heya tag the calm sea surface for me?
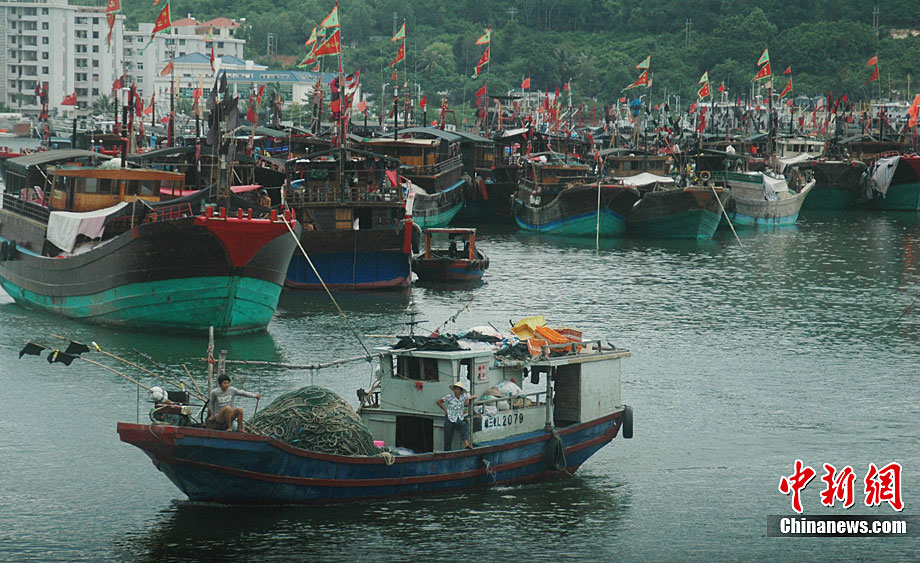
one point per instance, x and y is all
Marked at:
(801, 344)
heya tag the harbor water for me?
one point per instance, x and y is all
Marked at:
(801, 343)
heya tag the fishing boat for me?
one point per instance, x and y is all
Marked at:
(450, 255)
(98, 244)
(547, 412)
(563, 196)
(893, 182)
(839, 184)
(435, 170)
(666, 210)
(757, 199)
(353, 206)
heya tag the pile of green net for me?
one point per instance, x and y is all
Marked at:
(315, 419)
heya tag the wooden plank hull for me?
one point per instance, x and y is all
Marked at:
(838, 185)
(679, 213)
(173, 275)
(233, 467)
(574, 211)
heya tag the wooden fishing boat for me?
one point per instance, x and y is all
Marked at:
(354, 213)
(570, 408)
(760, 200)
(839, 184)
(559, 195)
(450, 255)
(98, 244)
(894, 183)
(435, 169)
(666, 210)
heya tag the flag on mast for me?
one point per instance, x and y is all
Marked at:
(401, 34)
(486, 37)
(704, 78)
(400, 54)
(313, 36)
(764, 72)
(163, 21)
(764, 57)
(483, 60)
(644, 65)
(332, 20)
(330, 46)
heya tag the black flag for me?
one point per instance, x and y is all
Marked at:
(31, 349)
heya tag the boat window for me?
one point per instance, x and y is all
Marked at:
(131, 188)
(418, 369)
(104, 186)
(148, 187)
(90, 186)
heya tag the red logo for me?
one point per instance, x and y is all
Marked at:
(796, 482)
(881, 485)
(884, 485)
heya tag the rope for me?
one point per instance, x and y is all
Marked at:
(329, 293)
(315, 419)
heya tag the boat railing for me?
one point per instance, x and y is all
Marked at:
(438, 167)
(329, 194)
(25, 208)
(514, 401)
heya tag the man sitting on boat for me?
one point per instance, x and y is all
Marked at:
(222, 409)
(453, 404)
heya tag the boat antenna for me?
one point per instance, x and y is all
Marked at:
(457, 313)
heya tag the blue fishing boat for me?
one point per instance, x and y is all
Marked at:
(444, 260)
(569, 408)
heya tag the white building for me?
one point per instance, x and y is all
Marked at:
(193, 70)
(49, 41)
(144, 60)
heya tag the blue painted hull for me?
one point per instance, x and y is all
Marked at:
(242, 468)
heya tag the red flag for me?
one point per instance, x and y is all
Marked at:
(394, 75)
(117, 84)
(149, 109)
(167, 69)
(259, 95)
(362, 106)
(163, 21)
(913, 110)
(525, 84)
(110, 19)
(400, 54)
(422, 102)
(566, 87)
(721, 88)
(138, 105)
(704, 91)
(70, 100)
(788, 70)
(212, 56)
(872, 61)
(787, 89)
(481, 91)
(330, 46)
(482, 61)
(251, 112)
(196, 95)
(873, 77)
(113, 6)
(622, 101)
(763, 73)
(641, 81)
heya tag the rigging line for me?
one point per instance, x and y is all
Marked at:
(329, 293)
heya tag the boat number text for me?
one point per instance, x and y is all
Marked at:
(502, 420)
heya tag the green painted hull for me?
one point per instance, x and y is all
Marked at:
(900, 197)
(611, 225)
(692, 224)
(441, 219)
(829, 199)
(238, 304)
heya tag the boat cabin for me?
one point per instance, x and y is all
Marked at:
(622, 163)
(88, 189)
(547, 170)
(459, 244)
(548, 391)
(794, 146)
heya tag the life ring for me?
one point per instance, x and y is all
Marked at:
(705, 175)
(628, 423)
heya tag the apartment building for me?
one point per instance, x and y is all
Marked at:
(50, 41)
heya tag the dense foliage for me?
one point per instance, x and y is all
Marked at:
(594, 43)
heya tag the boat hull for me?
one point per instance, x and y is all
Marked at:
(439, 208)
(489, 203)
(680, 213)
(241, 468)
(838, 185)
(350, 259)
(182, 275)
(574, 211)
(447, 270)
(748, 207)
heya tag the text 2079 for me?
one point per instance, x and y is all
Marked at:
(503, 420)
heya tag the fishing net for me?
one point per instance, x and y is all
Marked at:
(315, 419)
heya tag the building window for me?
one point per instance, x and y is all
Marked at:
(80, 21)
(95, 35)
(44, 11)
(95, 21)
(44, 70)
(80, 34)
(44, 56)
(44, 40)
(95, 48)
(182, 42)
(140, 66)
(44, 25)
(220, 44)
(95, 91)
(81, 92)
(95, 64)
